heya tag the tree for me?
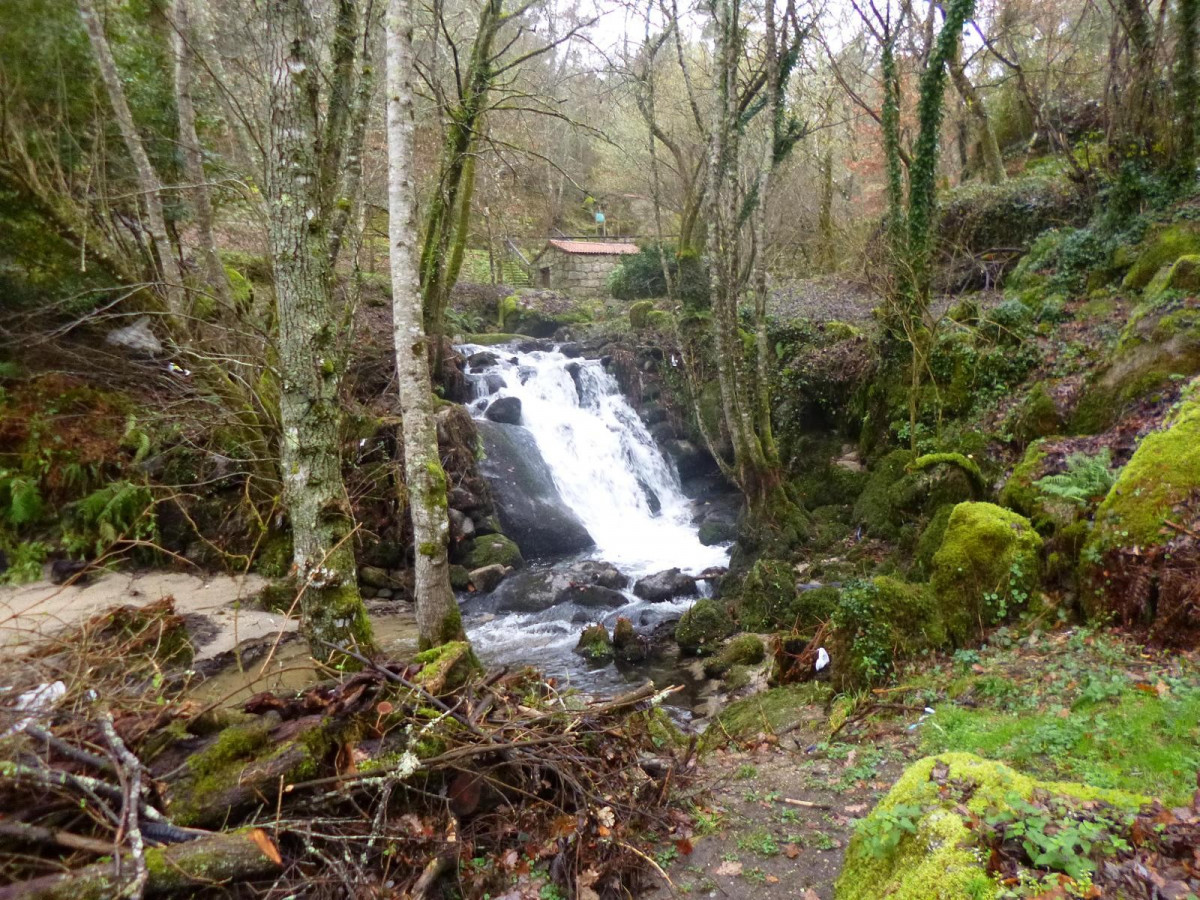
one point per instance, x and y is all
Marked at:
(302, 166)
(438, 619)
(1187, 87)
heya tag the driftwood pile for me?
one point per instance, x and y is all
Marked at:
(427, 779)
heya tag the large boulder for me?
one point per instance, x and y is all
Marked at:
(665, 585)
(985, 569)
(923, 841)
(530, 508)
(506, 410)
(703, 627)
(1141, 562)
(875, 623)
(588, 584)
(491, 549)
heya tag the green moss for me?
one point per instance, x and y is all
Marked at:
(595, 644)
(460, 578)
(876, 623)
(492, 549)
(986, 568)
(639, 314)
(930, 540)
(772, 710)
(274, 559)
(447, 667)
(1019, 492)
(1036, 417)
(703, 627)
(491, 340)
(876, 508)
(658, 319)
(744, 650)
(967, 466)
(940, 859)
(507, 310)
(1162, 248)
(765, 599)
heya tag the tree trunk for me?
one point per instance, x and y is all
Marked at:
(1187, 87)
(993, 162)
(311, 345)
(438, 618)
(193, 158)
(148, 182)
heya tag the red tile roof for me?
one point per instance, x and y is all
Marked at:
(595, 248)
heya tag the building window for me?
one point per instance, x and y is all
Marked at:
(544, 276)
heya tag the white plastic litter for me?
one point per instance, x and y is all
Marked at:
(822, 659)
(35, 701)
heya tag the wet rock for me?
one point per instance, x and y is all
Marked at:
(534, 345)
(689, 459)
(528, 504)
(573, 369)
(628, 645)
(487, 578)
(482, 359)
(591, 596)
(662, 432)
(712, 574)
(506, 410)
(460, 498)
(594, 571)
(665, 585)
(525, 373)
(375, 577)
(570, 350)
(461, 526)
(594, 643)
(493, 382)
(652, 414)
(495, 548)
(652, 501)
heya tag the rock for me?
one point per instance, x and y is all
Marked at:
(591, 596)
(717, 530)
(652, 501)
(703, 627)
(850, 460)
(594, 643)
(665, 585)
(506, 410)
(713, 574)
(986, 568)
(662, 432)
(375, 577)
(493, 383)
(532, 346)
(446, 668)
(627, 645)
(460, 498)
(136, 338)
(384, 594)
(460, 578)
(485, 524)
(743, 650)
(488, 578)
(461, 526)
(690, 460)
(592, 571)
(573, 369)
(570, 350)
(652, 414)
(482, 359)
(491, 549)
(525, 373)
(527, 501)
(942, 856)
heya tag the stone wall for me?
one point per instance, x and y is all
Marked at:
(580, 274)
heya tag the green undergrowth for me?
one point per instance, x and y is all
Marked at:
(1076, 706)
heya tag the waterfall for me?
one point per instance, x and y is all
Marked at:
(608, 470)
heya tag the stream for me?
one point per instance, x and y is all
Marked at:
(613, 478)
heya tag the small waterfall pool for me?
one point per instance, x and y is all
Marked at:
(610, 472)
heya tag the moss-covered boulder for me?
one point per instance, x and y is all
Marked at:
(1136, 564)
(1037, 416)
(489, 550)
(703, 627)
(920, 842)
(985, 569)
(876, 508)
(774, 710)
(595, 644)
(1019, 492)
(930, 541)
(1162, 247)
(878, 621)
(743, 650)
(764, 602)
(639, 314)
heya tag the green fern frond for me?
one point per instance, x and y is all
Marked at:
(20, 499)
(1087, 479)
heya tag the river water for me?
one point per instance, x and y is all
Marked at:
(607, 468)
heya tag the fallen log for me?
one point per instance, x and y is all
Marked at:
(180, 867)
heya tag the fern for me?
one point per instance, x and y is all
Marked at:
(136, 439)
(20, 499)
(25, 562)
(121, 510)
(1087, 479)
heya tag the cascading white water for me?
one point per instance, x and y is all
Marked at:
(607, 467)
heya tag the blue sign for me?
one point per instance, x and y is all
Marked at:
(599, 218)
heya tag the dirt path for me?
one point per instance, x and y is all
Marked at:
(777, 819)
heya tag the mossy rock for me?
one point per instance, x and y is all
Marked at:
(743, 650)
(491, 340)
(875, 622)
(876, 508)
(1162, 248)
(274, 559)
(940, 857)
(717, 531)
(764, 602)
(986, 568)
(658, 319)
(1036, 417)
(1162, 474)
(703, 627)
(492, 549)
(930, 541)
(1019, 492)
(460, 578)
(595, 644)
(639, 314)
(447, 667)
(773, 710)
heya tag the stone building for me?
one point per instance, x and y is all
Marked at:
(579, 267)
